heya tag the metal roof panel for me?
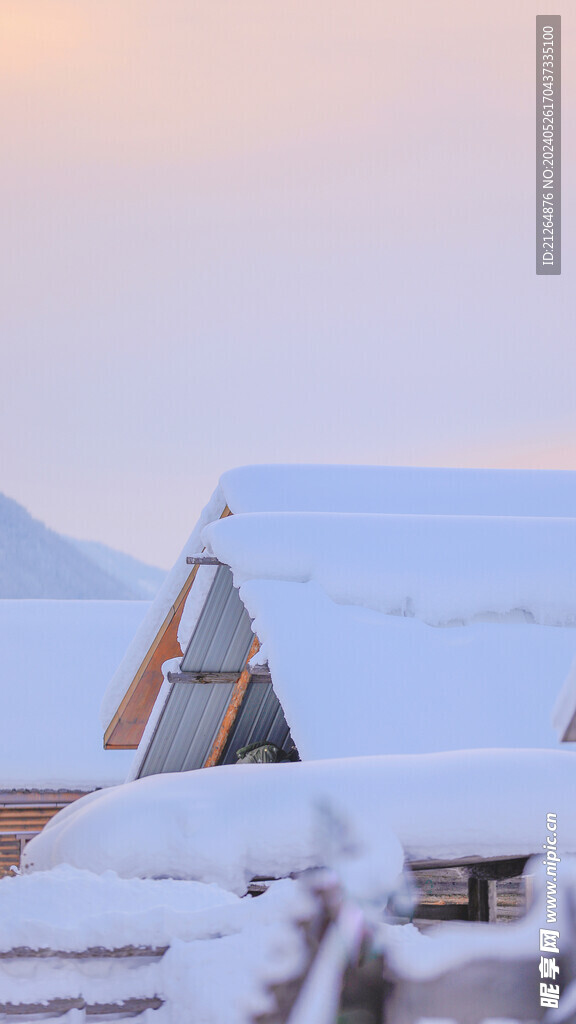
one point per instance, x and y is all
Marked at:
(187, 728)
(222, 636)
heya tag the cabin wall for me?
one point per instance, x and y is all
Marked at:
(23, 814)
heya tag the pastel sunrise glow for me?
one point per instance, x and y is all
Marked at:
(242, 232)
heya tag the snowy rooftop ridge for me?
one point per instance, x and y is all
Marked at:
(441, 569)
(400, 490)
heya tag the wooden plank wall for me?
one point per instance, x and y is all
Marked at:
(24, 813)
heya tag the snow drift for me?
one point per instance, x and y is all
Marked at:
(229, 824)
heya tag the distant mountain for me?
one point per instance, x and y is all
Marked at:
(36, 562)
(144, 580)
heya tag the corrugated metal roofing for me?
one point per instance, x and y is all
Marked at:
(187, 728)
(193, 715)
(194, 711)
(223, 634)
(260, 718)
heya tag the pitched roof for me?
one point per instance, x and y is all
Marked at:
(420, 552)
(135, 685)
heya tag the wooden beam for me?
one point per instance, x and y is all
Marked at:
(39, 797)
(514, 865)
(128, 1007)
(92, 952)
(441, 912)
(126, 728)
(232, 711)
(52, 1006)
(498, 870)
(258, 674)
(202, 677)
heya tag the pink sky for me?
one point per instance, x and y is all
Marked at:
(240, 231)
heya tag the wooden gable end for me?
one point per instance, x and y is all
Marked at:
(127, 726)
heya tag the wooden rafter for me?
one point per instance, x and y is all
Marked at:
(237, 696)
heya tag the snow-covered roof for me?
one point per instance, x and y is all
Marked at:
(345, 608)
(347, 570)
(354, 681)
(212, 935)
(228, 824)
(441, 569)
(56, 657)
(400, 489)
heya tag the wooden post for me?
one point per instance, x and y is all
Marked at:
(481, 898)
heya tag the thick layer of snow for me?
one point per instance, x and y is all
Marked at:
(107, 980)
(353, 681)
(228, 979)
(351, 489)
(400, 490)
(441, 569)
(55, 660)
(160, 608)
(212, 934)
(71, 909)
(228, 824)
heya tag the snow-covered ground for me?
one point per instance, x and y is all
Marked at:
(400, 611)
(55, 660)
(223, 952)
(221, 825)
